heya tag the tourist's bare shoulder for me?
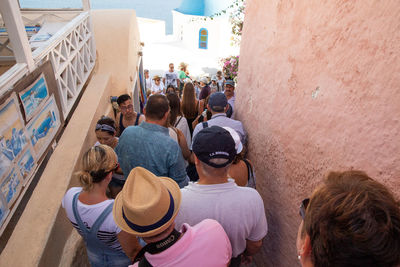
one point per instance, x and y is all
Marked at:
(117, 118)
(238, 172)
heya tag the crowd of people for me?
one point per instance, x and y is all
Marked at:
(173, 187)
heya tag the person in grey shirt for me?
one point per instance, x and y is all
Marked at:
(218, 105)
(240, 210)
(230, 92)
(149, 145)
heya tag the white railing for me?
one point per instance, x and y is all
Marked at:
(72, 54)
(71, 51)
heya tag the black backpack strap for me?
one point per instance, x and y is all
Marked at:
(205, 124)
(249, 169)
(176, 124)
(144, 263)
(140, 255)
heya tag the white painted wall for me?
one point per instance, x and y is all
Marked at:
(187, 27)
(151, 30)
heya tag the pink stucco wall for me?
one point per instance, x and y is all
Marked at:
(319, 90)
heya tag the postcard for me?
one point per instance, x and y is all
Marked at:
(11, 187)
(3, 209)
(26, 165)
(43, 127)
(34, 96)
(12, 134)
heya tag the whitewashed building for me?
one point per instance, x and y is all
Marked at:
(192, 26)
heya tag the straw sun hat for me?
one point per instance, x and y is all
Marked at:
(183, 65)
(147, 204)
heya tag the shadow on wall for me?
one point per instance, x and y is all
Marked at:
(80, 257)
(272, 244)
(283, 181)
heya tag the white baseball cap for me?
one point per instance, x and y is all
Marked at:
(236, 138)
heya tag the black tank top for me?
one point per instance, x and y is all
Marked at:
(121, 125)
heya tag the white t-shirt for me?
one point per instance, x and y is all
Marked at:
(171, 78)
(221, 84)
(89, 213)
(184, 127)
(157, 89)
(148, 83)
(174, 136)
(240, 211)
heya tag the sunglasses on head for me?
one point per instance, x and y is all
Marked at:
(115, 168)
(303, 207)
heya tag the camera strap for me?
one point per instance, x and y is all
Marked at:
(159, 246)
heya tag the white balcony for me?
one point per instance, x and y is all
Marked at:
(29, 38)
(71, 50)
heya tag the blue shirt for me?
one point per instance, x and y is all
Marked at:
(149, 146)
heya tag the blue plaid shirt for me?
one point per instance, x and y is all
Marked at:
(150, 146)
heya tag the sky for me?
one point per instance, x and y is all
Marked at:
(155, 9)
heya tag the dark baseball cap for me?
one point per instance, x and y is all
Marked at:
(214, 143)
(217, 102)
(230, 82)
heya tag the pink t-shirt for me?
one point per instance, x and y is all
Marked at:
(205, 244)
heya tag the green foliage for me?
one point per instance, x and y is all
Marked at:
(236, 18)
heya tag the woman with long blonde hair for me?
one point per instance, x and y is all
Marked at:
(90, 211)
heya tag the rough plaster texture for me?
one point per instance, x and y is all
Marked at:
(43, 229)
(318, 90)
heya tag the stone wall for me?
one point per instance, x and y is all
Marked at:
(318, 91)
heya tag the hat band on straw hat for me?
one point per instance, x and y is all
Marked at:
(161, 222)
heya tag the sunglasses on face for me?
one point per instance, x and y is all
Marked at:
(303, 207)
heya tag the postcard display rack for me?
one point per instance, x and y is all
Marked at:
(30, 119)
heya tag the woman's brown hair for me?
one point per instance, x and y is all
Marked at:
(189, 107)
(353, 220)
(175, 108)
